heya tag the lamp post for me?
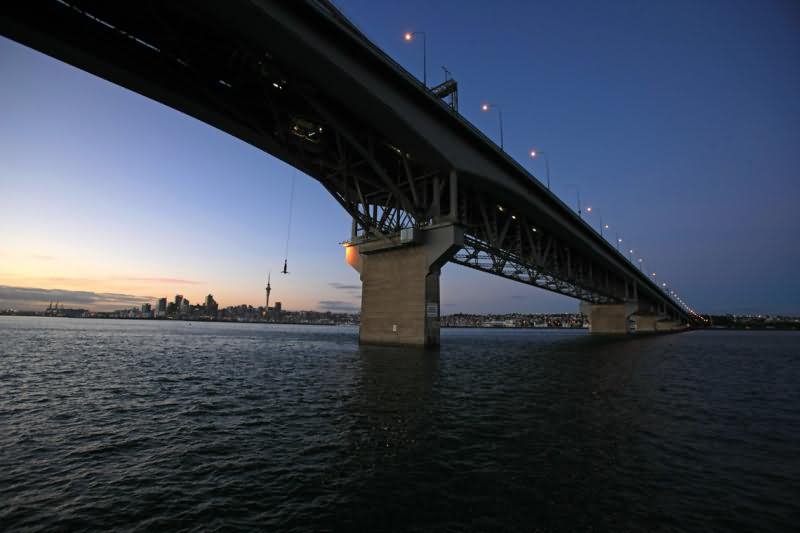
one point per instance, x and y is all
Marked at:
(590, 209)
(619, 240)
(630, 255)
(409, 36)
(489, 106)
(534, 154)
(640, 263)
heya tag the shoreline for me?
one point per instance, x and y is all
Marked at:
(549, 328)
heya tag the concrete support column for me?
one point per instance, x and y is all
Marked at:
(646, 323)
(669, 325)
(400, 284)
(608, 319)
(453, 215)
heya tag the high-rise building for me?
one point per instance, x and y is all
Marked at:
(277, 308)
(178, 301)
(161, 308)
(211, 306)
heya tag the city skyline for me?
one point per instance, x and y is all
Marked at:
(33, 299)
(690, 163)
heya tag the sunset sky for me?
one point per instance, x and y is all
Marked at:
(680, 122)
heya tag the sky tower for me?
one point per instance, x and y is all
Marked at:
(269, 289)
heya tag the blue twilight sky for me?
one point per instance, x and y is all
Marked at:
(680, 122)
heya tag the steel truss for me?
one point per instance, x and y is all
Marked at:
(218, 75)
(513, 246)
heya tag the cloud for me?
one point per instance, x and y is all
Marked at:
(175, 281)
(32, 298)
(169, 281)
(344, 286)
(43, 257)
(338, 306)
(55, 279)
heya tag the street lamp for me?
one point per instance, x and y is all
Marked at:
(534, 155)
(619, 241)
(590, 209)
(640, 263)
(409, 36)
(630, 255)
(489, 106)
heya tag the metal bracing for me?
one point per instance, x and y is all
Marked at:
(379, 184)
(514, 247)
(185, 58)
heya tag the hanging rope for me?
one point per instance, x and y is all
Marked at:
(289, 228)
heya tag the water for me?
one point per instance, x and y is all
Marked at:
(142, 425)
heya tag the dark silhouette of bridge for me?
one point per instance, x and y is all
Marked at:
(423, 186)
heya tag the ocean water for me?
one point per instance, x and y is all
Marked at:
(143, 425)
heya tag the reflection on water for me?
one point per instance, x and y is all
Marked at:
(116, 424)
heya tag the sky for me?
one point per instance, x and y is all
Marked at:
(678, 121)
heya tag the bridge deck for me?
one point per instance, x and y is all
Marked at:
(299, 81)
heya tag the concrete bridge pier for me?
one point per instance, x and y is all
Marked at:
(645, 323)
(670, 325)
(656, 324)
(609, 319)
(400, 284)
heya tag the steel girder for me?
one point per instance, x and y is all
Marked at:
(514, 246)
(163, 49)
(174, 54)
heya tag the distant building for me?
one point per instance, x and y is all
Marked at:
(178, 302)
(277, 308)
(184, 308)
(161, 309)
(269, 289)
(211, 306)
(62, 311)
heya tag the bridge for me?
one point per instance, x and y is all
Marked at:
(422, 185)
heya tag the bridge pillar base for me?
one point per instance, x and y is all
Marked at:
(646, 323)
(400, 285)
(608, 319)
(670, 325)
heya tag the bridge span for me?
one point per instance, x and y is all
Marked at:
(422, 185)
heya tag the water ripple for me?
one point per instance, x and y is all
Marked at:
(152, 425)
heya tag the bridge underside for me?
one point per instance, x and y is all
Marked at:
(297, 81)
